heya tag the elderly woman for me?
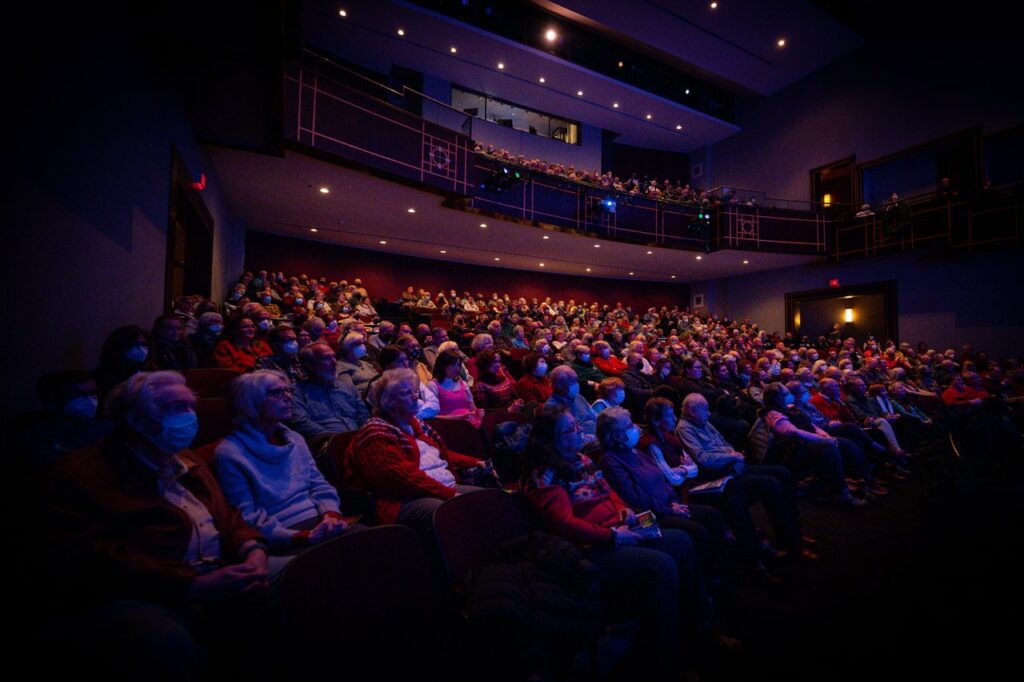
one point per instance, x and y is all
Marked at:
(611, 392)
(266, 470)
(657, 580)
(447, 391)
(352, 361)
(494, 388)
(636, 476)
(206, 336)
(240, 348)
(534, 385)
(799, 446)
(402, 460)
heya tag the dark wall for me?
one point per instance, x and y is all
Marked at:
(387, 275)
(625, 159)
(817, 317)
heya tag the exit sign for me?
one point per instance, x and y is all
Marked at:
(833, 283)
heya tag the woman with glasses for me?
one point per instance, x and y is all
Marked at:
(267, 471)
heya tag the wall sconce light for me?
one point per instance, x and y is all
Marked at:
(827, 200)
(849, 315)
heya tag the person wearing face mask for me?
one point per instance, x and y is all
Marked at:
(352, 362)
(207, 336)
(285, 358)
(125, 353)
(384, 336)
(640, 386)
(611, 392)
(588, 373)
(565, 391)
(144, 542)
(638, 480)
(494, 388)
(413, 351)
(534, 386)
(69, 423)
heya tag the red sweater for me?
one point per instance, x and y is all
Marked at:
(530, 388)
(229, 356)
(612, 367)
(834, 411)
(385, 460)
(581, 511)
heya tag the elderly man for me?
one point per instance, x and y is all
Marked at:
(438, 335)
(170, 348)
(284, 343)
(141, 534)
(326, 403)
(384, 336)
(565, 391)
(773, 485)
(352, 361)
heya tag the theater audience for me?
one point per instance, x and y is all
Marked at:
(352, 353)
(534, 386)
(448, 394)
(610, 393)
(565, 391)
(494, 388)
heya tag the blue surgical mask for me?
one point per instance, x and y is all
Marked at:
(137, 354)
(574, 390)
(299, 301)
(267, 300)
(264, 325)
(359, 351)
(216, 328)
(177, 432)
(82, 407)
(540, 370)
(633, 436)
(585, 358)
(618, 396)
(290, 347)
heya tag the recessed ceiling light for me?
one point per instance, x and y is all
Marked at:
(443, 251)
(551, 35)
(597, 246)
(700, 257)
(383, 241)
(687, 91)
(483, 225)
(648, 117)
(453, 49)
(631, 274)
(678, 127)
(621, 64)
(579, 93)
(313, 229)
(588, 269)
(615, 105)
(342, 13)
(545, 237)
(714, 5)
(541, 79)
(401, 32)
(325, 190)
(501, 65)
(411, 210)
(649, 253)
(542, 265)
(496, 258)
(673, 276)
(746, 262)
(782, 42)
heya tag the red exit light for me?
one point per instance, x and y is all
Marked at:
(833, 283)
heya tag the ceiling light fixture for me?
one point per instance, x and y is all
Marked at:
(496, 258)
(588, 269)
(383, 241)
(342, 13)
(687, 91)
(501, 65)
(579, 93)
(649, 253)
(648, 117)
(483, 225)
(325, 190)
(551, 35)
(700, 257)
(746, 262)
(545, 237)
(615, 105)
(313, 229)
(443, 251)
(401, 32)
(782, 42)
(542, 265)
(597, 246)
(714, 5)
(411, 210)
(673, 276)
(621, 64)
(453, 49)
(631, 274)
(679, 127)
(541, 79)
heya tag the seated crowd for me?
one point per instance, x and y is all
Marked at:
(689, 417)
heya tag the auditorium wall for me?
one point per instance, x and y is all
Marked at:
(925, 76)
(946, 301)
(91, 182)
(388, 275)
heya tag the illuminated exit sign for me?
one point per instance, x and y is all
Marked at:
(833, 283)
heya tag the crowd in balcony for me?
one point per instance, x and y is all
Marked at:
(690, 416)
(633, 186)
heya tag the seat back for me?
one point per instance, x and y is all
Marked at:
(209, 382)
(365, 598)
(470, 527)
(332, 462)
(459, 435)
(214, 420)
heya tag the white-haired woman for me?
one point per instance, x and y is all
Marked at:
(267, 471)
(352, 361)
(402, 460)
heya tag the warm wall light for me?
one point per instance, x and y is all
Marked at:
(501, 65)
(827, 200)
(551, 35)
(849, 315)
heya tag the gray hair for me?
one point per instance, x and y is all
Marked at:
(479, 341)
(132, 394)
(312, 323)
(691, 401)
(611, 426)
(384, 388)
(206, 319)
(247, 393)
(562, 375)
(351, 340)
(306, 355)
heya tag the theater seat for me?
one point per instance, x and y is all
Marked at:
(470, 527)
(459, 435)
(214, 420)
(209, 382)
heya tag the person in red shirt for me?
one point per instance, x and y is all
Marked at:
(534, 386)
(240, 348)
(605, 361)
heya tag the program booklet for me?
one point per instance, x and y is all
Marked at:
(646, 525)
